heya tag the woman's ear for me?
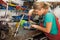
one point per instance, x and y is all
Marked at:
(43, 10)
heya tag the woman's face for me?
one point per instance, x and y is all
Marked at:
(40, 11)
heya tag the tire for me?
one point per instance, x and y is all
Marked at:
(3, 35)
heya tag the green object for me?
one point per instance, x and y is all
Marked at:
(22, 22)
(49, 17)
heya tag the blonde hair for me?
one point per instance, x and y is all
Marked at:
(38, 5)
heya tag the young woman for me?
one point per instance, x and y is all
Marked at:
(49, 24)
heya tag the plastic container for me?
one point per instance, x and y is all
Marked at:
(27, 25)
(22, 22)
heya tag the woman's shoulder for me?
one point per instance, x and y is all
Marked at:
(30, 11)
(49, 14)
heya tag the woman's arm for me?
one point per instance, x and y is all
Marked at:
(30, 13)
(47, 29)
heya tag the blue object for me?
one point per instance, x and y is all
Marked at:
(24, 6)
(26, 24)
(2, 7)
(26, 11)
(26, 17)
(17, 18)
(10, 8)
(0, 4)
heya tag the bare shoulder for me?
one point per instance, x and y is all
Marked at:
(30, 12)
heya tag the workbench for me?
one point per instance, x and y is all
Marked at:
(24, 34)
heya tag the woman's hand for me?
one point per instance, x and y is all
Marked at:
(35, 26)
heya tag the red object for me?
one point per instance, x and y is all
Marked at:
(18, 7)
(55, 37)
(2, 2)
(23, 8)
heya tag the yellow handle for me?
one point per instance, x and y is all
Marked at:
(17, 24)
